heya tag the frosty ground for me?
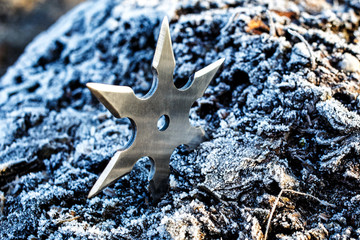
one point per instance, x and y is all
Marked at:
(282, 116)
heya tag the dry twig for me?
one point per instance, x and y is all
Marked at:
(231, 19)
(325, 203)
(2, 202)
(67, 220)
(272, 31)
(302, 39)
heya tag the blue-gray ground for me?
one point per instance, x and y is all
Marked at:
(283, 113)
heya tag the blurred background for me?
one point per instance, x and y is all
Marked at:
(22, 20)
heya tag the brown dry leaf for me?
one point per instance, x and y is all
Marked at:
(257, 26)
(282, 201)
(291, 15)
(27, 5)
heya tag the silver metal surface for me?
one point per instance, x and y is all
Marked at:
(161, 118)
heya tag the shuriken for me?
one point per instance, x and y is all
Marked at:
(163, 100)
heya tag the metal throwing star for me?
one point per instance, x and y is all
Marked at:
(164, 104)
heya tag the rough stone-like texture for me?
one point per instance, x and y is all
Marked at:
(282, 114)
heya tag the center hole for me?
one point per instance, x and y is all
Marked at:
(163, 122)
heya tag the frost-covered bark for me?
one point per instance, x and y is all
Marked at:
(275, 120)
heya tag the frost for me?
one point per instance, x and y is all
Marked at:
(338, 116)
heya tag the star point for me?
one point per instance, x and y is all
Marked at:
(109, 95)
(164, 60)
